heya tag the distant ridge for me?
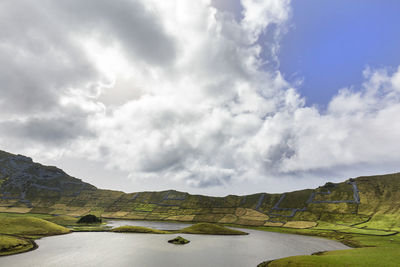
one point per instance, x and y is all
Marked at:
(26, 186)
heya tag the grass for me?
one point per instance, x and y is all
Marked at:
(300, 224)
(372, 247)
(384, 252)
(352, 229)
(138, 229)
(63, 220)
(210, 229)
(383, 221)
(12, 245)
(91, 228)
(28, 226)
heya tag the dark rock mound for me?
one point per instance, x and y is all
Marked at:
(178, 241)
(89, 219)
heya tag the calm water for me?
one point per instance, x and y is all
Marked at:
(154, 225)
(147, 250)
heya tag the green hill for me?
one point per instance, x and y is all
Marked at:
(210, 229)
(29, 226)
(364, 202)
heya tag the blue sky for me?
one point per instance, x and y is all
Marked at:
(330, 43)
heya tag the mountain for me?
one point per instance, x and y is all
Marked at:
(26, 186)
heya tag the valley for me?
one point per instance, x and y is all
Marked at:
(360, 212)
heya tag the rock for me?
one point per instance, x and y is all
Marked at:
(89, 219)
(178, 241)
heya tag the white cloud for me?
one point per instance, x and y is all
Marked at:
(175, 92)
(359, 127)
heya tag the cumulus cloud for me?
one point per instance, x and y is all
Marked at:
(359, 127)
(177, 92)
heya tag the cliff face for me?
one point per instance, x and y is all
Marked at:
(26, 186)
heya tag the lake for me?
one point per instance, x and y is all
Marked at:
(147, 250)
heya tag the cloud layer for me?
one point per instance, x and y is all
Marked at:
(179, 92)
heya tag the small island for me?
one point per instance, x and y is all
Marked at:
(179, 241)
(138, 229)
(210, 229)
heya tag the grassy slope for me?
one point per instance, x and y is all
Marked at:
(15, 233)
(62, 220)
(375, 251)
(369, 249)
(30, 226)
(13, 244)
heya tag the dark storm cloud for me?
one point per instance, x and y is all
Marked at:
(54, 131)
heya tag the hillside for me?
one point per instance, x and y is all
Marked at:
(374, 201)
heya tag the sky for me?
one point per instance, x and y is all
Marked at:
(213, 97)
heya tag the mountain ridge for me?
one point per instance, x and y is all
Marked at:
(26, 186)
